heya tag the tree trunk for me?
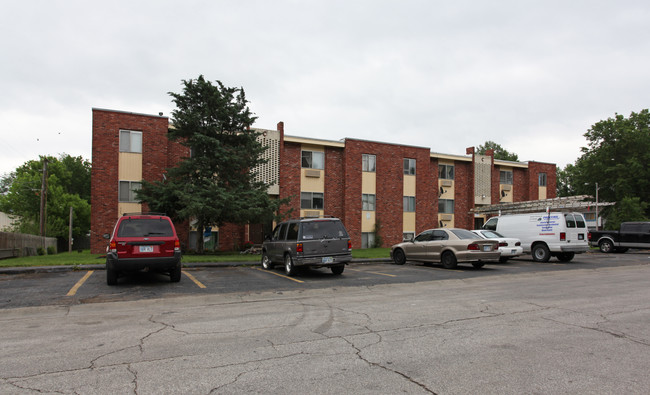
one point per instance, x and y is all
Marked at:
(199, 241)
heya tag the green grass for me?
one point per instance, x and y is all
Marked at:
(86, 258)
(64, 258)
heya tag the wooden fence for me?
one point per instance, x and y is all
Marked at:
(20, 244)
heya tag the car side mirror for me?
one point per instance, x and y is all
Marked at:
(107, 236)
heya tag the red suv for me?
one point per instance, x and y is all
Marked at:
(143, 242)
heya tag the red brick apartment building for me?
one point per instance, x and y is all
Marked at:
(395, 190)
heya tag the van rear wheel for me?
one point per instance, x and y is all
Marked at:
(541, 253)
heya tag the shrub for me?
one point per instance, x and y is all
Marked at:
(51, 250)
(40, 251)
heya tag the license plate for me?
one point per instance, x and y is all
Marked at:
(327, 259)
(487, 247)
(146, 248)
(513, 251)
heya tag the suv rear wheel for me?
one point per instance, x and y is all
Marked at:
(175, 274)
(266, 261)
(111, 276)
(338, 269)
(289, 268)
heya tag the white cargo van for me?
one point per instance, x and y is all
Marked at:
(545, 234)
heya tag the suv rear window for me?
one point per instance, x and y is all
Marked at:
(145, 228)
(323, 230)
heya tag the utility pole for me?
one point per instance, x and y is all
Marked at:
(70, 232)
(43, 198)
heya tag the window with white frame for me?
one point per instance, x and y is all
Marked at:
(409, 166)
(313, 160)
(542, 179)
(368, 162)
(505, 177)
(409, 204)
(446, 172)
(126, 190)
(130, 141)
(311, 200)
(445, 206)
(367, 240)
(368, 202)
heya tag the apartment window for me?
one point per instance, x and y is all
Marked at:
(446, 172)
(409, 204)
(505, 177)
(445, 206)
(313, 160)
(311, 200)
(368, 162)
(409, 166)
(130, 141)
(367, 240)
(368, 202)
(542, 179)
(127, 190)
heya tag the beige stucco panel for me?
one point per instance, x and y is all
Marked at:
(128, 208)
(369, 183)
(130, 166)
(367, 221)
(408, 222)
(409, 185)
(542, 193)
(312, 184)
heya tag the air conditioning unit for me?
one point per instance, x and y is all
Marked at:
(312, 173)
(311, 214)
(506, 187)
(446, 217)
(446, 183)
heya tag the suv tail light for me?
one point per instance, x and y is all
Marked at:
(589, 236)
(113, 246)
(299, 247)
(350, 245)
(177, 245)
(562, 236)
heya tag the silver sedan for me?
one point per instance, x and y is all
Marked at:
(448, 246)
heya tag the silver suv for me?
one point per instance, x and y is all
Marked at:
(313, 242)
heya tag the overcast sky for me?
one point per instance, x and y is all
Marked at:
(533, 76)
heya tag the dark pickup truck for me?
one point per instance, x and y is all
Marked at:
(631, 235)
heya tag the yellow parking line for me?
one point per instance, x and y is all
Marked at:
(79, 283)
(191, 277)
(278, 274)
(381, 274)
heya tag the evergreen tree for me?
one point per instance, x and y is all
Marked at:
(216, 184)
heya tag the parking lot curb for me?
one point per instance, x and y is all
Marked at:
(68, 268)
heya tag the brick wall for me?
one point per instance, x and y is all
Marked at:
(105, 159)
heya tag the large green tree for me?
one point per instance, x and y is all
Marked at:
(499, 151)
(615, 161)
(216, 184)
(68, 185)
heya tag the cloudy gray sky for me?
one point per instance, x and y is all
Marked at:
(532, 76)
